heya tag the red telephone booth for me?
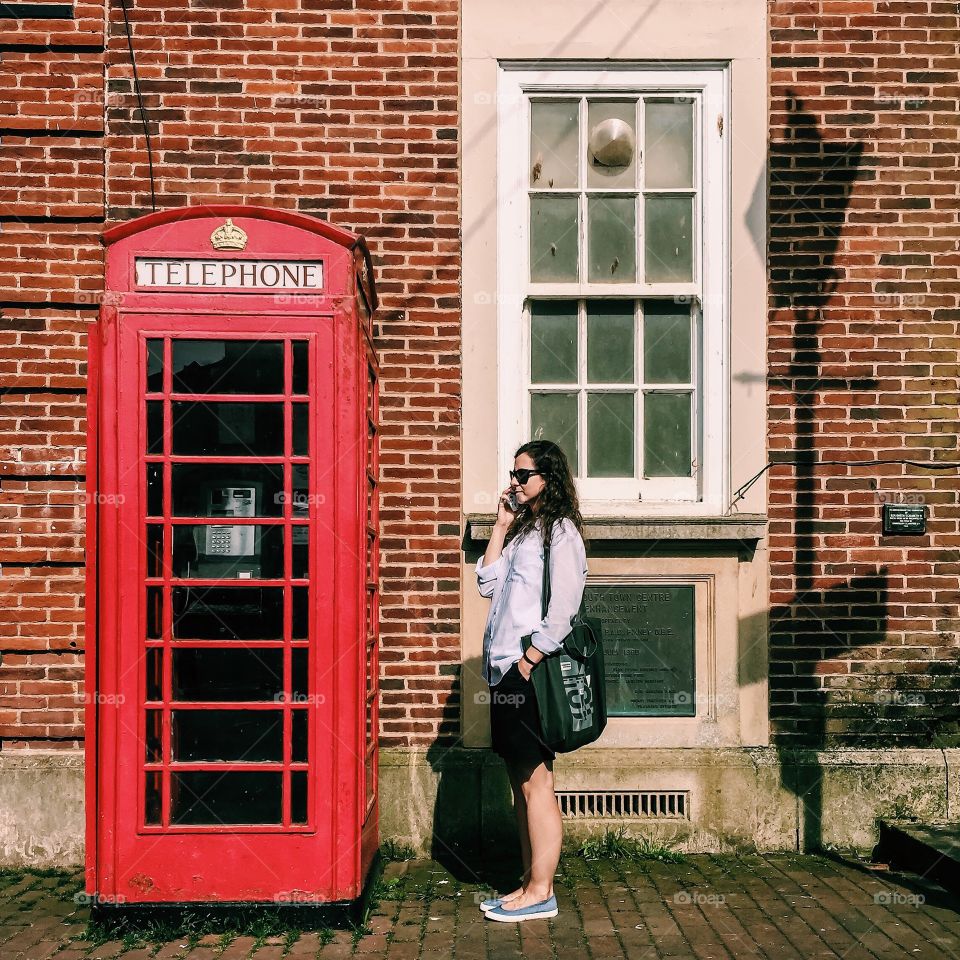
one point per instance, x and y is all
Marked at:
(232, 539)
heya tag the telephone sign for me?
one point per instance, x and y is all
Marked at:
(232, 586)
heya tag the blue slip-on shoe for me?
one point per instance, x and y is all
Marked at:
(490, 904)
(536, 911)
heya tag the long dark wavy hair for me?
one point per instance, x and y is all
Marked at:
(557, 500)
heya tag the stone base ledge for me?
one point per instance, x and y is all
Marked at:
(447, 801)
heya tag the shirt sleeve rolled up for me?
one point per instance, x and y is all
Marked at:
(487, 576)
(568, 577)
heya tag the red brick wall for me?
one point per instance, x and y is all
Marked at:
(345, 110)
(863, 352)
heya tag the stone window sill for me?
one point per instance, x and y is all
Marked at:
(740, 528)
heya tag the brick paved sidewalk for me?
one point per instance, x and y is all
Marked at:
(777, 906)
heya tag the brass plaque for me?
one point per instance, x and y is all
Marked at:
(648, 648)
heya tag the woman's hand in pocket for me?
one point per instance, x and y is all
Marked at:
(524, 668)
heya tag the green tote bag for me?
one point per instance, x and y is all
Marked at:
(569, 683)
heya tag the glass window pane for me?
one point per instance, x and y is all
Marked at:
(553, 143)
(153, 799)
(666, 342)
(666, 435)
(254, 736)
(154, 613)
(300, 613)
(611, 143)
(219, 797)
(668, 144)
(228, 366)
(610, 433)
(228, 551)
(154, 489)
(154, 550)
(301, 552)
(299, 730)
(154, 673)
(301, 490)
(553, 416)
(299, 678)
(612, 239)
(301, 374)
(301, 433)
(155, 366)
(553, 238)
(154, 426)
(154, 736)
(610, 341)
(553, 341)
(668, 239)
(228, 613)
(227, 490)
(217, 673)
(227, 429)
(298, 796)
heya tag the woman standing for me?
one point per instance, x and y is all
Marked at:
(511, 573)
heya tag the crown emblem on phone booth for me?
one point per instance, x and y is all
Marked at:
(228, 237)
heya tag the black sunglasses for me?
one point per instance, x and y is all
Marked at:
(523, 475)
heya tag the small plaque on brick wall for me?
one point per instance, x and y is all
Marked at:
(648, 648)
(904, 519)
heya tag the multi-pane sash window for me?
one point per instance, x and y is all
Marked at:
(614, 196)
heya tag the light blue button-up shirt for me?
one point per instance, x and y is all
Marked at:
(514, 581)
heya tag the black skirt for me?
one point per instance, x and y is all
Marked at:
(515, 729)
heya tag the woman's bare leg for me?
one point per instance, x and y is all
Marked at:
(520, 806)
(545, 829)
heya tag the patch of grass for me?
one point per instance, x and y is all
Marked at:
(391, 850)
(615, 845)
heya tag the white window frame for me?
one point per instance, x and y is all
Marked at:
(704, 493)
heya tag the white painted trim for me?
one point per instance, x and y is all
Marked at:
(708, 493)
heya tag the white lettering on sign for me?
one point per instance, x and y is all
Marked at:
(229, 274)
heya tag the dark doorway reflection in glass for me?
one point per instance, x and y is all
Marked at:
(228, 613)
(219, 797)
(227, 366)
(227, 490)
(227, 429)
(251, 736)
(228, 551)
(218, 674)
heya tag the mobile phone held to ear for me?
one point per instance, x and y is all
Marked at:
(512, 501)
